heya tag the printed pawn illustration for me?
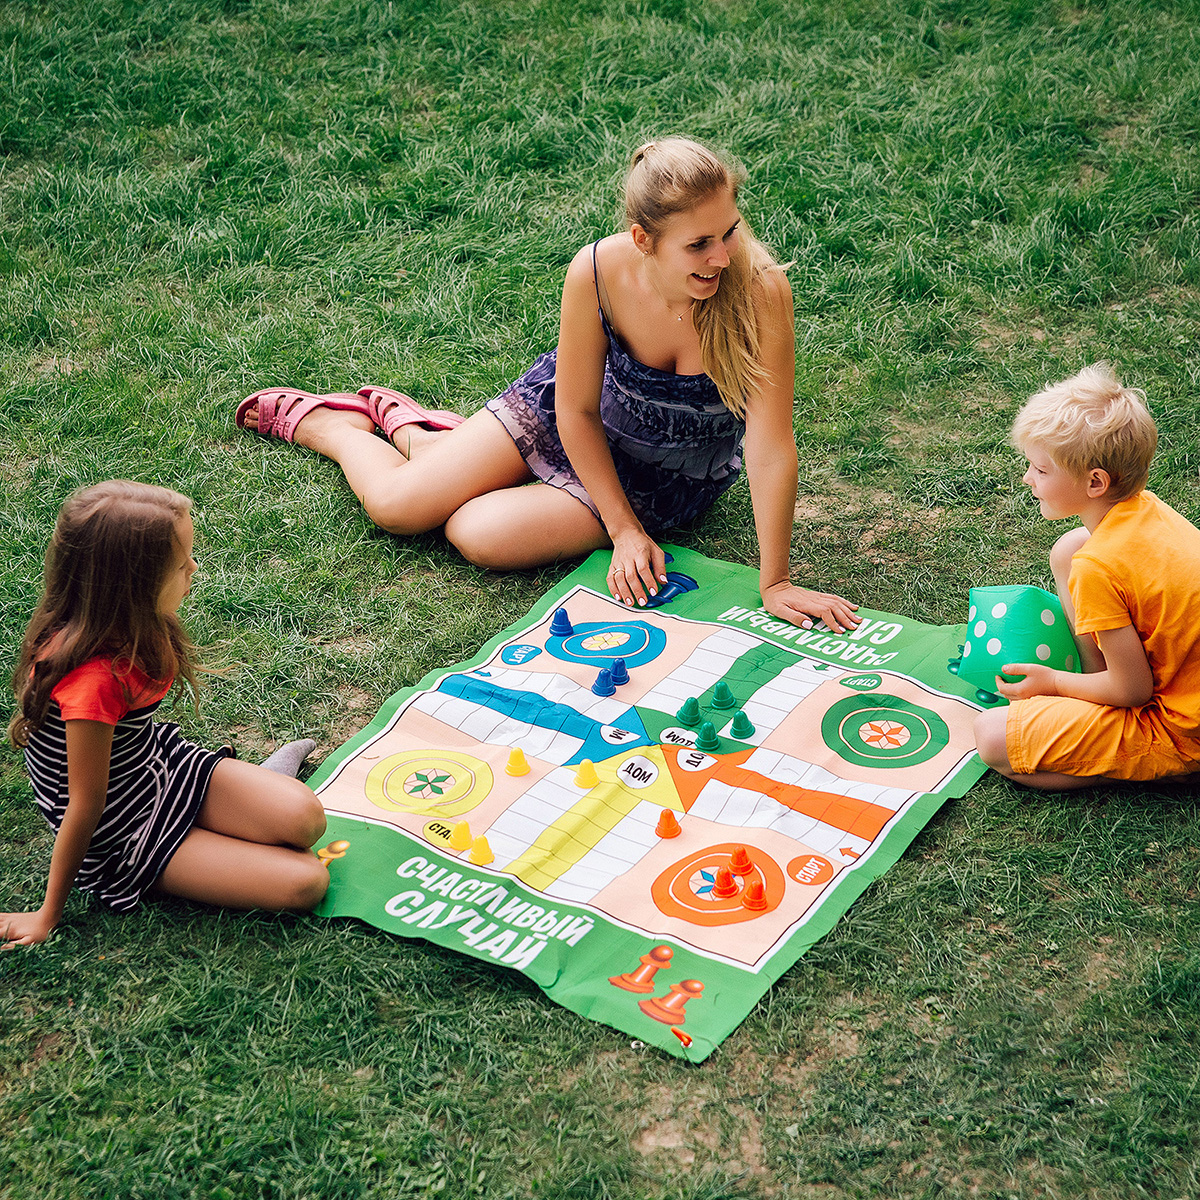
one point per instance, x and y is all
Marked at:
(669, 1008)
(517, 764)
(585, 776)
(668, 824)
(722, 697)
(460, 836)
(689, 713)
(560, 625)
(706, 738)
(334, 850)
(604, 683)
(741, 727)
(620, 672)
(685, 1039)
(642, 980)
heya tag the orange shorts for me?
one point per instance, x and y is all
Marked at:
(1075, 737)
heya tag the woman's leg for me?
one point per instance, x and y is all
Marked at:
(520, 527)
(447, 469)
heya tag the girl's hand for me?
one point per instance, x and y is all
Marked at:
(803, 607)
(1038, 681)
(24, 929)
(638, 568)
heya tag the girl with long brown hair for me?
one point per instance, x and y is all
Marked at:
(675, 356)
(136, 808)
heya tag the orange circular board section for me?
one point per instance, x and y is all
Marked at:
(684, 889)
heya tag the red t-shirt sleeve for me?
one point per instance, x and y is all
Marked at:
(93, 693)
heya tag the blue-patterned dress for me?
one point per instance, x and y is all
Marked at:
(675, 445)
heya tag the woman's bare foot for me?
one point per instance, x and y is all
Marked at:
(320, 427)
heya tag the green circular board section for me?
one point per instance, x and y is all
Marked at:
(878, 730)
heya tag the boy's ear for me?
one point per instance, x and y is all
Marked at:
(1098, 481)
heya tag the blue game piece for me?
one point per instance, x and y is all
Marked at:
(561, 625)
(676, 585)
(604, 683)
(620, 672)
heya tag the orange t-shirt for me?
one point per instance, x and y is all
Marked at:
(95, 692)
(1141, 567)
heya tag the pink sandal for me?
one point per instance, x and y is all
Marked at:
(392, 410)
(280, 410)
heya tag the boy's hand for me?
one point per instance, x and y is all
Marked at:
(1039, 681)
(24, 929)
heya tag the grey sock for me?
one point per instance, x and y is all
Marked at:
(287, 759)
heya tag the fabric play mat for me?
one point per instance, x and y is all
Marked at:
(653, 853)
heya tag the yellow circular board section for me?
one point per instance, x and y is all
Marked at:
(442, 783)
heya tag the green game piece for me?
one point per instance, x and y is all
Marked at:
(1017, 624)
(689, 714)
(742, 728)
(706, 738)
(722, 697)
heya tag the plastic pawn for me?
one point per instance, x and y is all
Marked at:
(706, 738)
(722, 697)
(754, 896)
(586, 776)
(604, 683)
(517, 764)
(739, 861)
(620, 672)
(668, 824)
(724, 887)
(481, 853)
(741, 727)
(561, 625)
(460, 836)
(689, 714)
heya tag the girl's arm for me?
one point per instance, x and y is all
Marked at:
(89, 752)
(638, 563)
(771, 467)
(1126, 680)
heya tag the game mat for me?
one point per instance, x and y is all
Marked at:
(662, 848)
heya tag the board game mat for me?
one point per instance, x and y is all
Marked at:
(652, 843)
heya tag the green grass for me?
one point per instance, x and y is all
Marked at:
(198, 199)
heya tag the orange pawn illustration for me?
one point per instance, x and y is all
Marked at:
(642, 980)
(669, 1008)
(517, 764)
(481, 853)
(739, 861)
(754, 896)
(724, 886)
(334, 850)
(668, 824)
(460, 836)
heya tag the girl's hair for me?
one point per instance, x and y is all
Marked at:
(671, 176)
(112, 549)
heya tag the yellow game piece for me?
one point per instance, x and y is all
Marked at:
(460, 836)
(586, 776)
(481, 853)
(516, 762)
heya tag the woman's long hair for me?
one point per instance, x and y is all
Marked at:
(113, 547)
(671, 176)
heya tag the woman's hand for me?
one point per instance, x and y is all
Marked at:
(24, 928)
(803, 607)
(638, 568)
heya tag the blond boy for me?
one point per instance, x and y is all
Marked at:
(1129, 580)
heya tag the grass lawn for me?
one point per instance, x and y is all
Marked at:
(200, 198)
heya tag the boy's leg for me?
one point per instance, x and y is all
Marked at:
(1061, 554)
(991, 740)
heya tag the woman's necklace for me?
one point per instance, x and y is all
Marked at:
(666, 304)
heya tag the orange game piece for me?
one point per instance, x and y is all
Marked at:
(642, 980)
(739, 861)
(754, 896)
(724, 886)
(685, 1038)
(668, 824)
(516, 762)
(669, 1008)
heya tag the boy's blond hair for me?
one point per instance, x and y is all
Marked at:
(1088, 421)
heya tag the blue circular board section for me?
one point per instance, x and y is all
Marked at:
(597, 643)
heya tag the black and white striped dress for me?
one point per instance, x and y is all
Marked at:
(157, 783)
